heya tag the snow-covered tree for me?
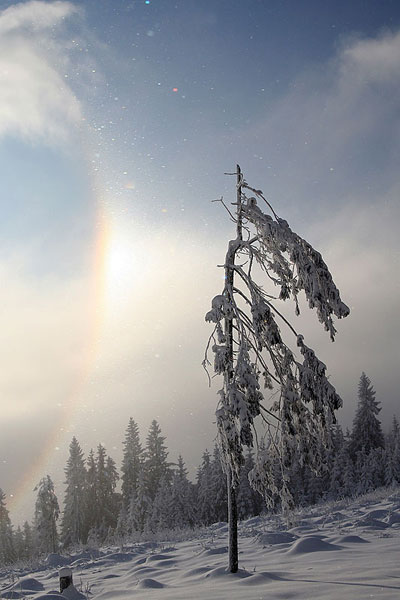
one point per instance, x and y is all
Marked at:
(46, 515)
(156, 466)
(92, 514)
(107, 500)
(29, 547)
(132, 462)
(366, 433)
(182, 512)
(251, 351)
(7, 551)
(392, 466)
(205, 491)
(73, 523)
(139, 507)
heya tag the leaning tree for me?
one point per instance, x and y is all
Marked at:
(251, 347)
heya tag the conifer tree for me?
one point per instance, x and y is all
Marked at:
(182, 511)
(132, 462)
(249, 349)
(19, 544)
(160, 516)
(392, 466)
(156, 466)
(7, 551)
(139, 507)
(28, 541)
(106, 478)
(366, 433)
(219, 494)
(73, 524)
(205, 491)
(46, 515)
(92, 516)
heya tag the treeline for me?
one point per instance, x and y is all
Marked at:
(155, 494)
(355, 462)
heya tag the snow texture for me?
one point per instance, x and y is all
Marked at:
(343, 550)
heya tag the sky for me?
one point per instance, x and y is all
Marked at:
(118, 121)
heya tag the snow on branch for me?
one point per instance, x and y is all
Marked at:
(251, 353)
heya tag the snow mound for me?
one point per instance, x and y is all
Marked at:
(120, 556)
(271, 538)
(312, 544)
(260, 578)
(146, 584)
(12, 594)
(49, 596)
(213, 551)
(29, 584)
(378, 513)
(72, 593)
(220, 527)
(195, 572)
(351, 539)
(56, 560)
(335, 516)
(154, 557)
(223, 572)
(392, 518)
(368, 521)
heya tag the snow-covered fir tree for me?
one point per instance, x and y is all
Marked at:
(106, 498)
(46, 515)
(366, 433)
(156, 466)
(392, 466)
(205, 491)
(219, 492)
(19, 544)
(182, 512)
(29, 546)
(132, 462)
(7, 551)
(92, 516)
(73, 523)
(139, 507)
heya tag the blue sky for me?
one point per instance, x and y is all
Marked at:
(136, 110)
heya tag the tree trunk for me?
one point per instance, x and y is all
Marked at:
(233, 554)
(233, 560)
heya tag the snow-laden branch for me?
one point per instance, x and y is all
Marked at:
(249, 345)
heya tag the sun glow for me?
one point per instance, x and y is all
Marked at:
(123, 268)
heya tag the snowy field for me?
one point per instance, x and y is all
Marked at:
(346, 550)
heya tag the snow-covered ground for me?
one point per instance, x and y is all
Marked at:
(346, 550)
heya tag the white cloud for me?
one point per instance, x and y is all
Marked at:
(35, 101)
(35, 15)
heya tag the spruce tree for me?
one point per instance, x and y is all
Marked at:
(19, 544)
(219, 494)
(92, 514)
(182, 513)
(205, 491)
(139, 507)
(46, 514)
(392, 467)
(7, 551)
(73, 524)
(132, 462)
(106, 478)
(29, 547)
(156, 466)
(366, 433)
